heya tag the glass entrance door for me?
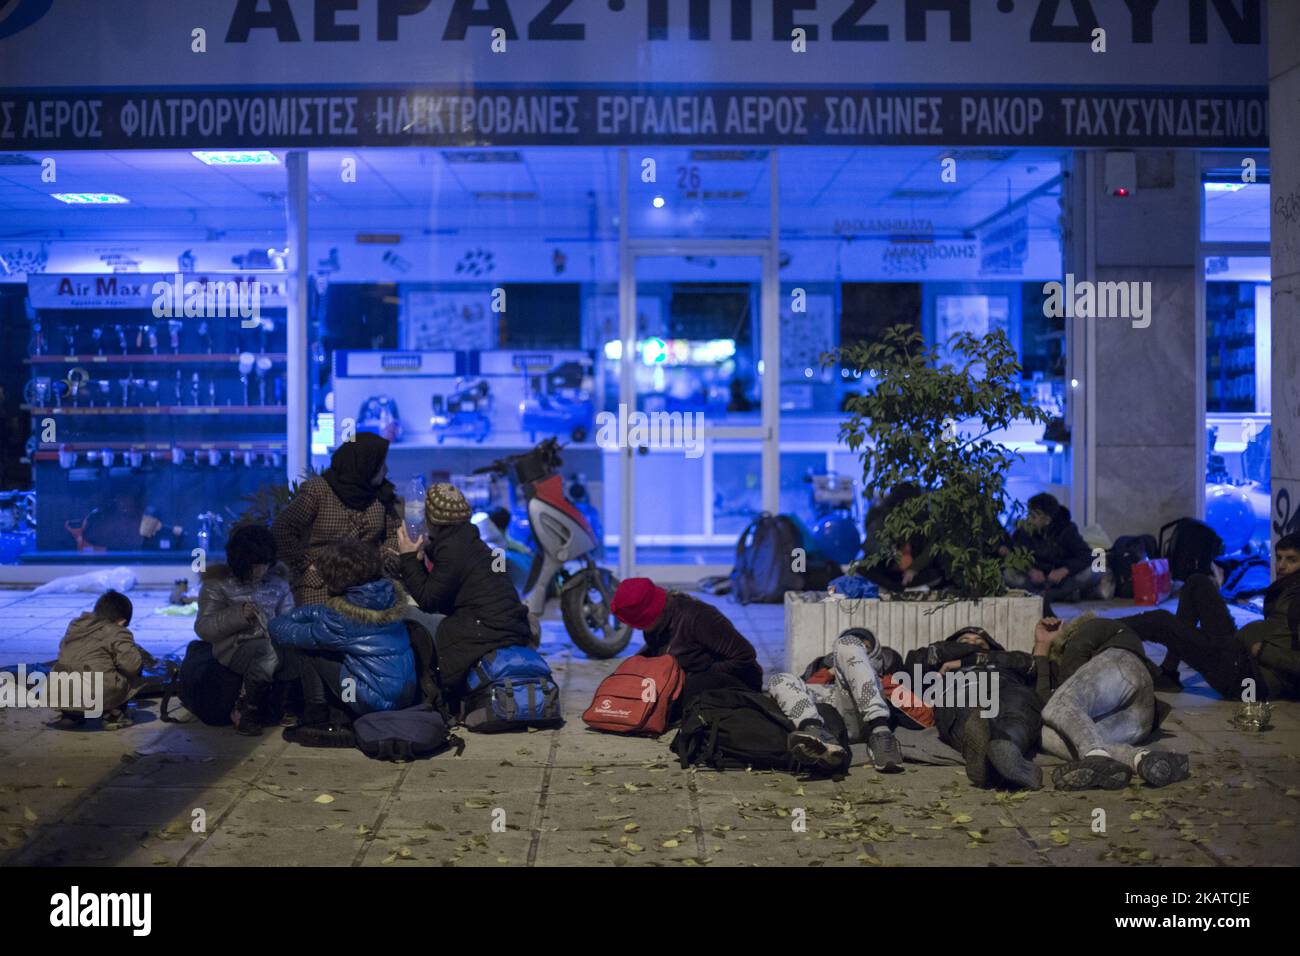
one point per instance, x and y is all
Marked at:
(696, 423)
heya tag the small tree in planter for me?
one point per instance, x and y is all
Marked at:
(905, 430)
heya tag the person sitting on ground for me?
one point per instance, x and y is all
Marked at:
(467, 601)
(1203, 633)
(1062, 568)
(997, 747)
(854, 690)
(352, 500)
(353, 652)
(237, 600)
(99, 643)
(1099, 705)
(914, 565)
(712, 654)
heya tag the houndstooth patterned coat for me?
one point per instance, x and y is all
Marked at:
(314, 519)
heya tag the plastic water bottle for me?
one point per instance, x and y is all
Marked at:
(414, 509)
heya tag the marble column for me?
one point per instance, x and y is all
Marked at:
(1149, 460)
(1284, 163)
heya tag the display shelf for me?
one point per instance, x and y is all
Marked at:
(192, 358)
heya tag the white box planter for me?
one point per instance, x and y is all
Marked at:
(813, 619)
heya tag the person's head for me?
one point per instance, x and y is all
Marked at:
(114, 606)
(363, 459)
(1287, 554)
(1043, 509)
(445, 505)
(639, 602)
(976, 637)
(250, 552)
(349, 564)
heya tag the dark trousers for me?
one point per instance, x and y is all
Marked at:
(1202, 633)
(1019, 718)
(321, 676)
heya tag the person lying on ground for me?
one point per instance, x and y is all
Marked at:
(469, 606)
(98, 642)
(703, 641)
(997, 731)
(237, 600)
(352, 500)
(848, 680)
(353, 652)
(1099, 705)
(1062, 568)
(1203, 633)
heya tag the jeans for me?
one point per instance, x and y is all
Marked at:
(258, 662)
(1108, 704)
(1019, 718)
(321, 676)
(1072, 588)
(1203, 634)
(856, 693)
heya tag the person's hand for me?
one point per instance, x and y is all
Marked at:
(950, 666)
(908, 577)
(1058, 575)
(1045, 631)
(404, 543)
(250, 612)
(1256, 648)
(1036, 576)
(1003, 551)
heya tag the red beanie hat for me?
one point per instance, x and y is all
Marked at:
(639, 602)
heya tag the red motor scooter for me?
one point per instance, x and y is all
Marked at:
(563, 535)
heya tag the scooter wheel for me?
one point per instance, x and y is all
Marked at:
(585, 604)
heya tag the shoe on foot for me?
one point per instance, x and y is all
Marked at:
(886, 755)
(1097, 772)
(1159, 768)
(815, 746)
(974, 741)
(118, 719)
(69, 719)
(245, 720)
(320, 735)
(1168, 680)
(1014, 767)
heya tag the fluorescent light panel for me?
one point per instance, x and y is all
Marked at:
(91, 199)
(236, 157)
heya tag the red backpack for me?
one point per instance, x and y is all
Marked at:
(636, 698)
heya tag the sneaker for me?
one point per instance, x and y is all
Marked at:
(69, 719)
(320, 735)
(975, 748)
(245, 721)
(1168, 680)
(1092, 773)
(886, 755)
(1106, 586)
(815, 746)
(1160, 768)
(118, 719)
(1014, 767)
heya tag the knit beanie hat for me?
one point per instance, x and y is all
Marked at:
(638, 602)
(444, 504)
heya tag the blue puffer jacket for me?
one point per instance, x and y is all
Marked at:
(366, 625)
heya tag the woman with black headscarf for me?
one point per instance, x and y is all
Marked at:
(352, 500)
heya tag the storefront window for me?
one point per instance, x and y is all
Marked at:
(872, 238)
(153, 341)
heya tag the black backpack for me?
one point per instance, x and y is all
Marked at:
(764, 555)
(1127, 551)
(734, 729)
(206, 687)
(1191, 547)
